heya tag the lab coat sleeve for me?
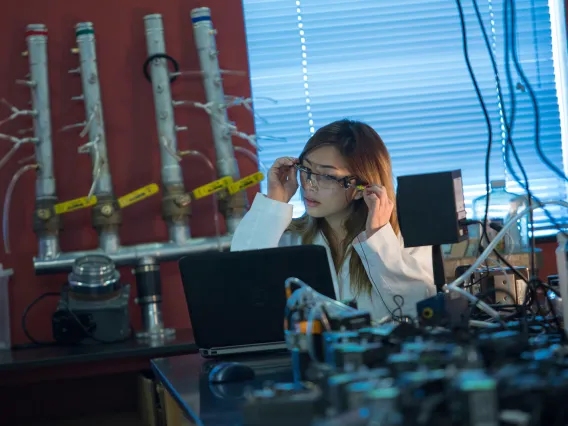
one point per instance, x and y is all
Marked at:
(263, 226)
(396, 270)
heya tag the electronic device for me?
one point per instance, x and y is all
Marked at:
(94, 304)
(236, 300)
(443, 309)
(403, 374)
(431, 211)
(230, 372)
(431, 208)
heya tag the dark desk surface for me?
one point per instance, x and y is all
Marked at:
(186, 379)
(58, 355)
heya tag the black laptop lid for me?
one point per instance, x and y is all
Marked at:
(238, 298)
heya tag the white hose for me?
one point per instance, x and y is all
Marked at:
(251, 155)
(453, 286)
(7, 200)
(9, 155)
(206, 160)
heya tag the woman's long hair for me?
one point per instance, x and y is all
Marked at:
(369, 161)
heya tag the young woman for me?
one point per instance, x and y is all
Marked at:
(359, 226)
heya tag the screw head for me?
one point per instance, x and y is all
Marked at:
(107, 210)
(183, 200)
(43, 214)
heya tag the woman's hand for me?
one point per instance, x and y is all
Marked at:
(282, 179)
(380, 208)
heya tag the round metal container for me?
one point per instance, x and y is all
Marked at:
(94, 275)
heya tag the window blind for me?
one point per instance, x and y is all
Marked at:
(399, 66)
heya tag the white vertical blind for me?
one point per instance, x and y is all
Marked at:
(399, 66)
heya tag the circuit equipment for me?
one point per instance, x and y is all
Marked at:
(404, 373)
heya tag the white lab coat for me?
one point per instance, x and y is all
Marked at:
(391, 268)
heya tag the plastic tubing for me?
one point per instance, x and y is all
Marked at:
(9, 155)
(7, 200)
(206, 160)
(250, 155)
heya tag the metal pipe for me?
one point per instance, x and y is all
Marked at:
(106, 214)
(102, 179)
(149, 292)
(124, 256)
(46, 223)
(204, 35)
(172, 177)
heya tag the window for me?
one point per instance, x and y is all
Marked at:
(399, 66)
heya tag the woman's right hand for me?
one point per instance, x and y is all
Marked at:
(282, 179)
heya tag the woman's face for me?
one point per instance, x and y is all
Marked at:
(323, 196)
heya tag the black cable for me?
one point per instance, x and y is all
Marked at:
(509, 146)
(531, 93)
(509, 140)
(485, 114)
(25, 316)
(159, 56)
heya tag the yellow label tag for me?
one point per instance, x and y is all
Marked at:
(76, 204)
(138, 195)
(246, 182)
(211, 188)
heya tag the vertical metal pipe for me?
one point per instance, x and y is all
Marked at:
(172, 177)
(106, 208)
(207, 50)
(149, 291)
(85, 35)
(48, 239)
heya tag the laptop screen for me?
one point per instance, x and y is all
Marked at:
(238, 298)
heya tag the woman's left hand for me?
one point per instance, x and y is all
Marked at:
(380, 208)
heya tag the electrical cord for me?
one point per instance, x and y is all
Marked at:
(509, 146)
(532, 95)
(509, 140)
(25, 316)
(508, 127)
(485, 115)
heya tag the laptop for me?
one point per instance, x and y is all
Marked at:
(236, 300)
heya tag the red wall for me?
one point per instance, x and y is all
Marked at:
(131, 132)
(130, 125)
